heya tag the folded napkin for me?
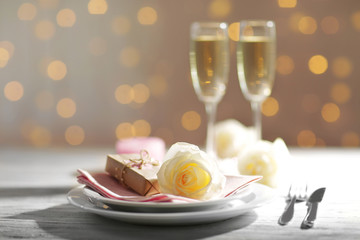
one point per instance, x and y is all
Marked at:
(109, 187)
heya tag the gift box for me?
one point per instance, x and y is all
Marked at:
(135, 171)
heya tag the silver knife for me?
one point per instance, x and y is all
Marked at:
(312, 204)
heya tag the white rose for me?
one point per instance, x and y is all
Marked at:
(231, 137)
(267, 159)
(187, 171)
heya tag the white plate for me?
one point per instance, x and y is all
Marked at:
(164, 206)
(260, 195)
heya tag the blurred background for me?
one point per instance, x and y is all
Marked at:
(89, 72)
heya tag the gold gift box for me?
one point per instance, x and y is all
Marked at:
(133, 172)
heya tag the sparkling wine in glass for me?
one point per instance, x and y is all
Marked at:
(256, 62)
(209, 65)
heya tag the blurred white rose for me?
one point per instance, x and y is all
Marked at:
(187, 171)
(231, 137)
(270, 160)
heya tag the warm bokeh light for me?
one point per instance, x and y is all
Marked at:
(97, 6)
(14, 91)
(342, 67)
(66, 108)
(158, 85)
(191, 120)
(355, 20)
(318, 64)
(306, 138)
(44, 30)
(121, 25)
(285, 65)
(330, 25)
(147, 16)
(40, 136)
(287, 3)
(74, 135)
(44, 100)
(124, 130)
(8, 46)
(26, 12)
(330, 112)
(130, 57)
(98, 46)
(350, 139)
(56, 70)
(142, 128)
(4, 57)
(234, 31)
(307, 25)
(310, 103)
(340, 92)
(66, 18)
(270, 107)
(141, 93)
(219, 8)
(294, 21)
(124, 94)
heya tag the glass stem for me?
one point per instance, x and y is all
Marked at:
(256, 109)
(210, 135)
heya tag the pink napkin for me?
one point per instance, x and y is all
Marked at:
(109, 187)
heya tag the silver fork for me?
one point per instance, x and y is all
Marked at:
(296, 193)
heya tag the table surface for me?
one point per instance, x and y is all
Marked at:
(34, 184)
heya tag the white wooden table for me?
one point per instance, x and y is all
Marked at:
(33, 204)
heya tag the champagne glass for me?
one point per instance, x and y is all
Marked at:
(256, 62)
(209, 65)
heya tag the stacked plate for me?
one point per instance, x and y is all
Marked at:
(153, 213)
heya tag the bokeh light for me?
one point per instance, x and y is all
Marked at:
(4, 57)
(219, 8)
(8, 46)
(56, 70)
(355, 20)
(66, 18)
(66, 108)
(191, 120)
(141, 93)
(350, 139)
(318, 64)
(330, 25)
(40, 136)
(147, 16)
(234, 31)
(340, 92)
(342, 67)
(74, 135)
(330, 112)
(97, 6)
(26, 12)
(307, 25)
(121, 25)
(142, 128)
(285, 65)
(306, 138)
(287, 3)
(14, 91)
(124, 94)
(44, 30)
(270, 107)
(124, 130)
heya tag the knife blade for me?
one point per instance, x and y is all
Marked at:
(312, 203)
